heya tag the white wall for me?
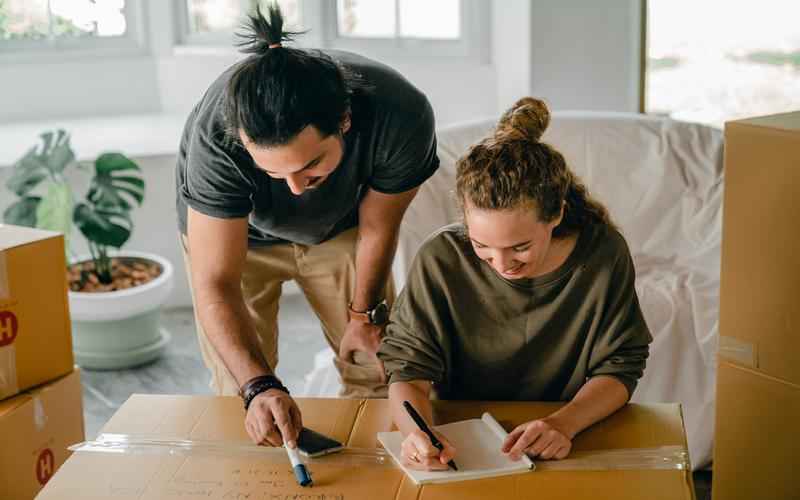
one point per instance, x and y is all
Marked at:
(31, 90)
(512, 50)
(586, 54)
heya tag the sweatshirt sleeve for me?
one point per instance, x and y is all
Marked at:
(622, 345)
(412, 347)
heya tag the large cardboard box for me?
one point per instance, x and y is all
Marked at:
(35, 334)
(757, 436)
(760, 280)
(655, 433)
(36, 427)
(758, 401)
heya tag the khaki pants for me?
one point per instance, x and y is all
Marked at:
(326, 275)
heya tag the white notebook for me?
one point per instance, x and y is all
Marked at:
(477, 442)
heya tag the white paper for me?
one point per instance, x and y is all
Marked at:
(478, 445)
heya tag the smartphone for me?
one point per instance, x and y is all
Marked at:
(313, 444)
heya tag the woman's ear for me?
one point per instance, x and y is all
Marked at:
(346, 122)
(555, 222)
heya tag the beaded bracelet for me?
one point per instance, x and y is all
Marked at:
(257, 385)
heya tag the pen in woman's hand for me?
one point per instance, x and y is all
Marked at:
(424, 428)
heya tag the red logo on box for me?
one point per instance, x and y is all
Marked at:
(45, 466)
(8, 328)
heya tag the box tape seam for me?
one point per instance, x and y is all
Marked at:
(673, 457)
(739, 351)
(362, 406)
(39, 415)
(9, 384)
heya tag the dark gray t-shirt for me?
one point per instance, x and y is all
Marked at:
(391, 148)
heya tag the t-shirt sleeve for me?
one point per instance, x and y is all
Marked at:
(214, 183)
(623, 342)
(410, 151)
(412, 348)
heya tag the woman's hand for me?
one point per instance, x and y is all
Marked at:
(539, 439)
(418, 453)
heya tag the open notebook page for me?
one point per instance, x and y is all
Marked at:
(477, 443)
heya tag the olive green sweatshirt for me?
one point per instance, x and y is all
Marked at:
(479, 336)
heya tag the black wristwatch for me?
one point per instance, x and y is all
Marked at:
(377, 315)
(257, 385)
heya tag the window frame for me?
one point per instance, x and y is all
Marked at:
(473, 44)
(186, 38)
(319, 18)
(133, 42)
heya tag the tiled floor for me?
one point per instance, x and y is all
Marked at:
(181, 369)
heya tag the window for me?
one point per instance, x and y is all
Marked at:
(410, 28)
(43, 24)
(422, 19)
(216, 21)
(717, 60)
(417, 28)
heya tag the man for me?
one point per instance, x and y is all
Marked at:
(297, 165)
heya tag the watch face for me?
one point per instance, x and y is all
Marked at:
(380, 315)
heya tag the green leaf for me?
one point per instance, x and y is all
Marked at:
(23, 182)
(27, 173)
(108, 190)
(22, 212)
(103, 227)
(136, 194)
(55, 210)
(110, 162)
(49, 157)
(59, 154)
(135, 182)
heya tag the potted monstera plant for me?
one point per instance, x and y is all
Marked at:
(115, 296)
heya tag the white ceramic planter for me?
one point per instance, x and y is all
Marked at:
(115, 330)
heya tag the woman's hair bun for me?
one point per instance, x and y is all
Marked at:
(528, 118)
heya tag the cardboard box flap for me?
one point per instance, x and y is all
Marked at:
(758, 313)
(14, 236)
(160, 475)
(36, 428)
(583, 485)
(9, 405)
(206, 418)
(648, 428)
(755, 448)
(782, 121)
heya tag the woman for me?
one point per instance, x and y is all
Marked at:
(531, 299)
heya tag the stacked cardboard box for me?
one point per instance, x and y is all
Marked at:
(36, 427)
(224, 464)
(758, 381)
(40, 393)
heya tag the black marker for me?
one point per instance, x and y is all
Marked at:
(424, 428)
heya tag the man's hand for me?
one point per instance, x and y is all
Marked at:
(418, 452)
(360, 336)
(537, 438)
(273, 415)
